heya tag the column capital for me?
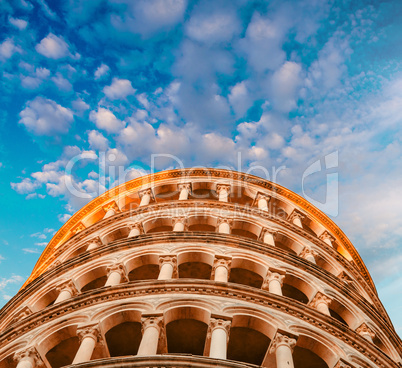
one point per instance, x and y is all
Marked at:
(215, 323)
(363, 329)
(119, 268)
(282, 340)
(273, 274)
(143, 192)
(342, 364)
(180, 219)
(307, 251)
(111, 206)
(168, 258)
(136, 225)
(23, 313)
(327, 236)
(29, 354)
(96, 240)
(320, 298)
(220, 187)
(345, 277)
(91, 331)
(67, 285)
(261, 195)
(265, 230)
(78, 228)
(223, 261)
(296, 214)
(152, 321)
(224, 220)
(182, 186)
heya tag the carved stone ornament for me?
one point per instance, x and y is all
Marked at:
(92, 332)
(29, 354)
(320, 298)
(282, 340)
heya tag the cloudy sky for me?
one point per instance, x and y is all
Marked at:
(278, 85)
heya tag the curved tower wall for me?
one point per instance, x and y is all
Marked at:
(198, 268)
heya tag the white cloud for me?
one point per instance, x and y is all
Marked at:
(119, 89)
(97, 141)
(80, 105)
(64, 218)
(14, 279)
(36, 78)
(21, 24)
(101, 71)
(53, 47)
(25, 186)
(42, 116)
(31, 250)
(8, 49)
(106, 120)
(48, 12)
(240, 99)
(62, 83)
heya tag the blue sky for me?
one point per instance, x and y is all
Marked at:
(240, 84)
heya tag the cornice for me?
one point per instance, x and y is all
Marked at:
(216, 238)
(208, 288)
(129, 187)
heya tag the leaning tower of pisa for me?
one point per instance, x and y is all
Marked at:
(198, 268)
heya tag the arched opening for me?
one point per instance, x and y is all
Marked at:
(201, 190)
(341, 313)
(144, 267)
(297, 289)
(77, 252)
(61, 347)
(167, 192)
(201, 223)
(123, 332)
(249, 339)
(46, 300)
(117, 234)
(287, 244)
(195, 265)
(245, 229)
(186, 330)
(158, 225)
(246, 272)
(93, 279)
(304, 358)
(124, 339)
(294, 293)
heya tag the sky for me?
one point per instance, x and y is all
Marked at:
(304, 93)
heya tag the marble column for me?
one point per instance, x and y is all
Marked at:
(273, 282)
(327, 238)
(88, 337)
(185, 190)
(135, 229)
(223, 191)
(262, 201)
(268, 236)
(28, 358)
(321, 302)
(179, 223)
(219, 330)
(150, 338)
(145, 196)
(296, 217)
(283, 346)
(221, 268)
(168, 264)
(66, 290)
(116, 275)
(224, 225)
(94, 243)
(366, 332)
(308, 254)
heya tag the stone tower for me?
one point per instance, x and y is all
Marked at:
(198, 268)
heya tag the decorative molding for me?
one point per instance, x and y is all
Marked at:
(29, 353)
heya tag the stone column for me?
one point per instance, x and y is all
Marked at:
(283, 346)
(135, 229)
(185, 190)
(168, 264)
(221, 268)
(145, 196)
(150, 338)
(94, 243)
(308, 254)
(219, 330)
(296, 217)
(321, 302)
(28, 358)
(88, 337)
(111, 209)
(327, 238)
(273, 282)
(116, 275)
(262, 201)
(66, 290)
(223, 191)
(366, 332)
(268, 236)
(179, 224)
(224, 225)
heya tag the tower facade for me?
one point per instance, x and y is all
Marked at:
(198, 268)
